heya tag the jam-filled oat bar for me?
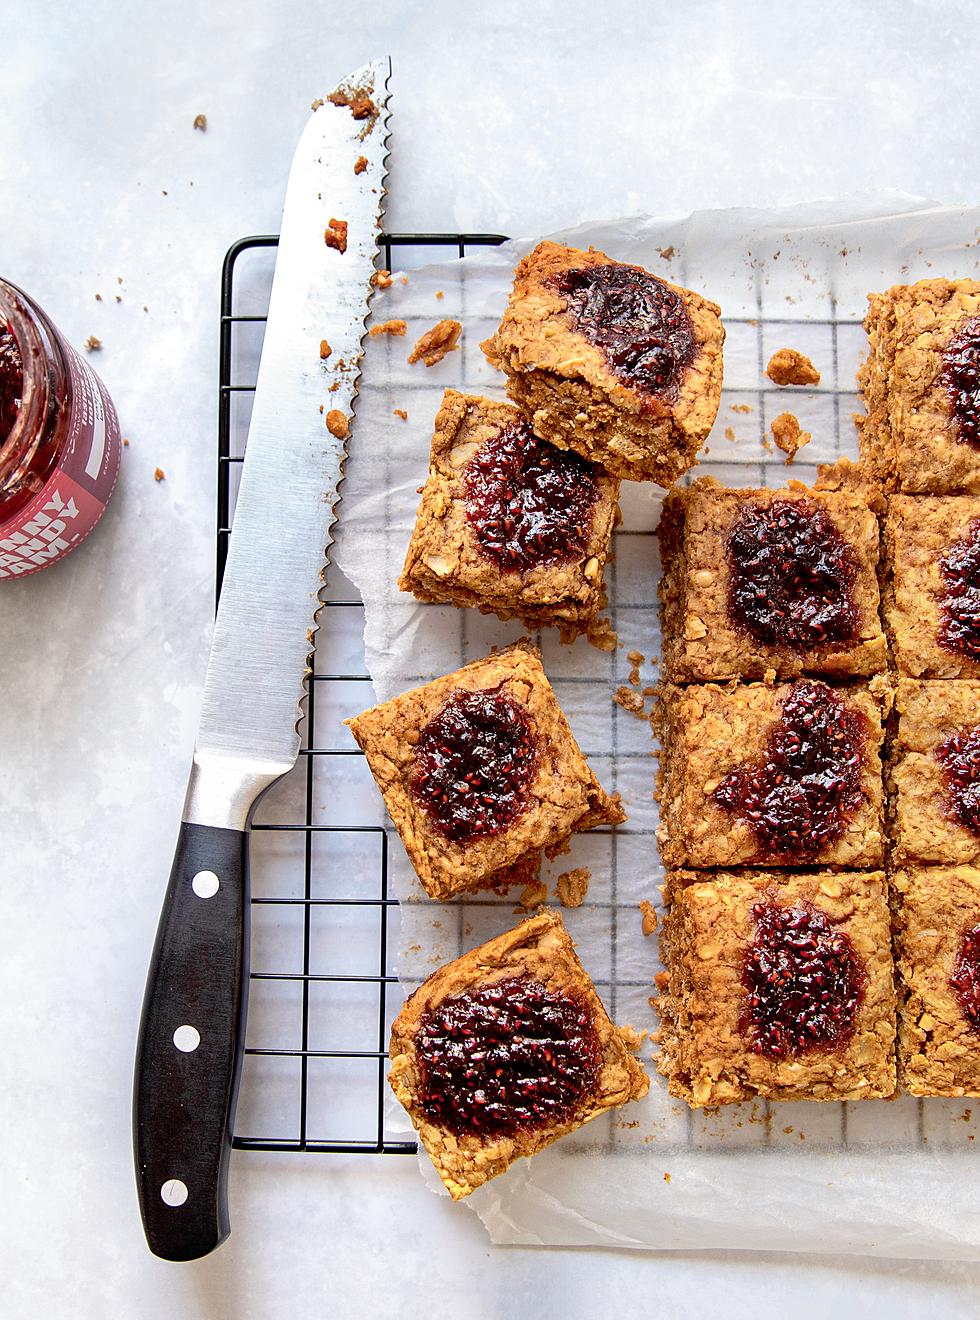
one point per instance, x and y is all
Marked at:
(778, 985)
(507, 523)
(608, 360)
(769, 580)
(934, 772)
(480, 773)
(932, 592)
(781, 775)
(505, 1050)
(921, 385)
(937, 945)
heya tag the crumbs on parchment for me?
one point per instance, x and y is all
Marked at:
(159, 474)
(388, 328)
(201, 123)
(400, 412)
(433, 346)
(381, 279)
(93, 344)
(788, 366)
(325, 350)
(649, 916)
(572, 886)
(630, 700)
(532, 896)
(788, 435)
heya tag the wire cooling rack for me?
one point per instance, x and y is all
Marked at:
(285, 1059)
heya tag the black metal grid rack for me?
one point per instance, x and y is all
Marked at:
(374, 1047)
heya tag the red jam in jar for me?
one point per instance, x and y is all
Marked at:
(59, 440)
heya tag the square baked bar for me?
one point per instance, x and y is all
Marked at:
(934, 772)
(507, 523)
(937, 945)
(505, 1050)
(480, 773)
(932, 585)
(608, 360)
(768, 580)
(921, 386)
(788, 775)
(778, 985)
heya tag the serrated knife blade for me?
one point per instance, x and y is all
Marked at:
(193, 1022)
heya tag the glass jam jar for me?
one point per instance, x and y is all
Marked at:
(59, 440)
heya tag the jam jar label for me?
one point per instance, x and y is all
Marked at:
(75, 495)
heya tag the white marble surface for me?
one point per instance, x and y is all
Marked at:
(529, 118)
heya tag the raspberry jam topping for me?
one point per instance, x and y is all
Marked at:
(528, 502)
(961, 376)
(474, 762)
(640, 324)
(791, 576)
(799, 796)
(959, 756)
(959, 628)
(965, 978)
(508, 1057)
(11, 382)
(804, 982)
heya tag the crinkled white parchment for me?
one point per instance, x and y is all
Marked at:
(869, 1178)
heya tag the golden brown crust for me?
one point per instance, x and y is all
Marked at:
(909, 438)
(444, 562)
(541, 948)
(699, 641)
(705, 1054)
(564, 795)
(939, 1053)
(922, 828)
(707, 731)
(918, 531)
(565, 387)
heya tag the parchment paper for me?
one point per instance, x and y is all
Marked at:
(883, 1178)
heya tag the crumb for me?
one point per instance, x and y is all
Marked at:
(636, 659)
(631, 1038)
(433, 346)
(381, 279)
(388, 328)
(358, 102)
(788, 1129)
(629, 700)
(159, 474)
(335, 235)
(334, 387)
(145, 308)
(93, 345)
(403, 279)
(98, 297)
(125, 443)
(649, 917)
(572, 886)
(667, 1177)
(789, 435)
(400, 412)
(602, 635)
(201, 123)
(789, 367)
(668, 253)
(440, 295)
(767, 445)
(729, 433)
(741, 407)
(532, 896)
(337, 424)
(360, 165)
(118, 299)
(325, 350)
(315, 105)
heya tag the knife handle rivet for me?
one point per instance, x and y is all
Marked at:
(187, 1039)
(173, 1192)
(205, 884)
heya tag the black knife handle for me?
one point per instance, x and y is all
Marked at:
(184, 1098)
